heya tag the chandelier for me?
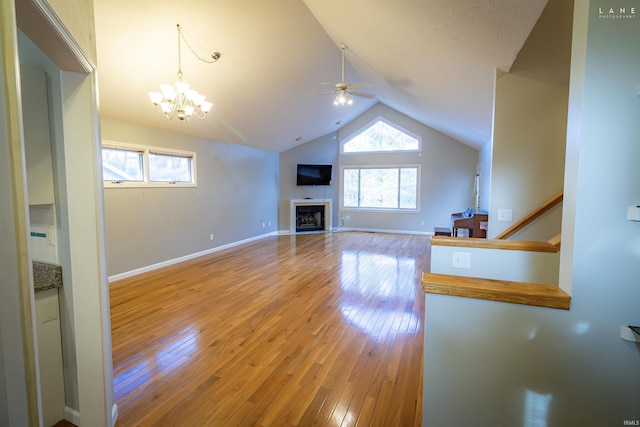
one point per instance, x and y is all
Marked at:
(181, 101)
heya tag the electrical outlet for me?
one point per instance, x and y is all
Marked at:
(263, 225)
(51, 235)
(505, 215)
(210, 236)
(461, 260)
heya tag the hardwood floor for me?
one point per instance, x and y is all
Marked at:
(314, 329)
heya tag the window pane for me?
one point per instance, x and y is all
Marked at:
(408, 188)
(119, 164)
(169, 168)
(351, 184)
(379, 188)
(381, 137)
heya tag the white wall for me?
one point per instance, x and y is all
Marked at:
(484, 167)
(489, 363)
(32, 56)
(516, 266)
(87, 346)
(13, 385)
(237, 192)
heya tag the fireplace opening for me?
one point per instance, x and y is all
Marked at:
(309, 218)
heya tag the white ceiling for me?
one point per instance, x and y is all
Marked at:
(433, 60)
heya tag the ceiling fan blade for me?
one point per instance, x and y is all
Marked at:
(326, 92)
(358, 86)
(363, 94)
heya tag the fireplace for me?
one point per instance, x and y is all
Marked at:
(309, 218)
(310, 215)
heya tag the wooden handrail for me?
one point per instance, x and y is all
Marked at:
(531, 217)
(497, 290)
(555, 240)
(510, 245)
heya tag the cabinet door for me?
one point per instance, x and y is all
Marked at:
(37, 136)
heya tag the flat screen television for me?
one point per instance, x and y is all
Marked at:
(313, 175)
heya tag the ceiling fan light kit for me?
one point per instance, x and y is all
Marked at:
(344, 90)
(181, 101)
(343, 98)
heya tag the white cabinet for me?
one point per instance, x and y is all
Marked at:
(50, 356)
(37, 136)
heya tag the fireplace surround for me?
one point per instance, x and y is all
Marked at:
(310, 215)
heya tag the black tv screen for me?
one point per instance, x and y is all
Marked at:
(314, 175)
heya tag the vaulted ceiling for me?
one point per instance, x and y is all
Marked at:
(433, 60)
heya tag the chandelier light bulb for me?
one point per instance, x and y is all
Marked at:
(343, 98)
(206, 106)
(182, 87)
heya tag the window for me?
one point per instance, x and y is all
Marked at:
(381, 136)
(126, 165)
(120, 164)
(377, 177)
(388, 187)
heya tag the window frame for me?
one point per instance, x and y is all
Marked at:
(385, 166)
(146, 173)
(371, 124)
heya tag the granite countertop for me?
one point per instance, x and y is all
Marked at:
(46, 276)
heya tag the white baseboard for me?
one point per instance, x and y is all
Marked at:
(72, 415)
(241, 242)
(114, 415)
(366, 230)
(186, 257)
(381, 230)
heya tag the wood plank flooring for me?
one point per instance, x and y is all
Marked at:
(315, 329)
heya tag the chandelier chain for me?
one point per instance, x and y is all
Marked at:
(214, 56)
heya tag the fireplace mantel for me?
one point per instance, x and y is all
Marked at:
(310, 202)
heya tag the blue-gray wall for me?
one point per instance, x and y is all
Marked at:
(237, 193)
(530, 127)
(446, 176)
(323, 151)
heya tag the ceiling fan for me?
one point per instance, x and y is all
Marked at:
(344, 90)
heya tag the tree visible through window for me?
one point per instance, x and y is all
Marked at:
(381, 137)
(373, 186)
(169, 167)
(121, 164)
(380, 188)
(128, 165)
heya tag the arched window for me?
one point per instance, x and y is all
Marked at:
(381, 137)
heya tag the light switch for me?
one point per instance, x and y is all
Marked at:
(461, 260)
(505, 215)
